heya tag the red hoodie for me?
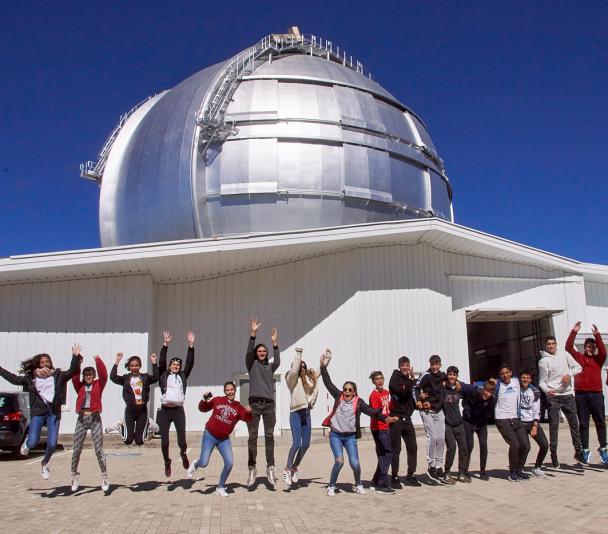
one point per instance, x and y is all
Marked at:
(226, 414)
(96, 390)
(590, 379)
(380, 399)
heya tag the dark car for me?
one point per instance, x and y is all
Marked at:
(14, 420)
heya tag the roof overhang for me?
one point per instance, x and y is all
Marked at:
(182, 261)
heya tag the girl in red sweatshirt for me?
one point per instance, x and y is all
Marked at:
(227, 412)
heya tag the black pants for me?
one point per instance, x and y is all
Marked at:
(382, 439)
(403, 429)
(541, 441)
(136, 421)
(455, 436)
(482, 436)
(514, 433)
(174, 415)
(591, 403)
(567, 405)
(265, 410)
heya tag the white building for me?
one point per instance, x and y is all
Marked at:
(371, 292)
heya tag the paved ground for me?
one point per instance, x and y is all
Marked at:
(142, 500)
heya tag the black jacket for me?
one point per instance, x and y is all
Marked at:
(183, 374)
(400, 388)
(451, 402)
(432, 385)
(37, 404)
(125, 382)
(362, 406)
(477, 411)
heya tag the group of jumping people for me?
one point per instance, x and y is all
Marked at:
(514, 404)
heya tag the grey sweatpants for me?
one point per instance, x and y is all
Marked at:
(434, 427)
(88, 422)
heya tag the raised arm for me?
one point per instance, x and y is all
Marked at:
(570, 342)
(102, 372)
(76, 382)
(114, 376)
(294, 370)
(17, 380)
(206, 404)
(333, 390)
(276, 353)
(254, 326)
(74, 364)
(155, 376)
(601, 348)
(190, 356)
(162, 363)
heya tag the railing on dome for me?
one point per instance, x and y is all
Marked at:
(94, 170)
(211, 115)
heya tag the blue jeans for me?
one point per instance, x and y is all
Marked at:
(299, 421)
(208, 443)
(51, 421)
(339, 442)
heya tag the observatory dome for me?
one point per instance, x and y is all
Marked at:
(289, 134)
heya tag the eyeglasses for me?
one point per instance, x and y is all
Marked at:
(348, 390)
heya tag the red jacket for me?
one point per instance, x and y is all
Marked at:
(226, 414)
(590, 379)
(98, 385)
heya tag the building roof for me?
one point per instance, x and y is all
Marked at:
(182, 261)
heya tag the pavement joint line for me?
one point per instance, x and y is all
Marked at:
(55, 455)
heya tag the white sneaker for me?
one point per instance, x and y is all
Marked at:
(331, 491)
(287, 477)
(24, 449)
(360, 490)
(75, 481)
(105, 485)
(192, 470)
(295, 476)
(251, 478)
(221, 492)
(46, 472)
(538, 472)
(270, 475)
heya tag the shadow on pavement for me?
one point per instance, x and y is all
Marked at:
(66, 491)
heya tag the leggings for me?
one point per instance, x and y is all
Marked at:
(90, 422)
(166, 416)
(136, 423)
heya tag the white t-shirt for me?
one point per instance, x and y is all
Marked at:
(507, 403)
(87, 396)
(175, 391)
(529, 408)
(46, 388)
(137, 386)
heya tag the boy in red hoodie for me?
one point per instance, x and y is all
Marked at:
(88, 408)
(381, 398)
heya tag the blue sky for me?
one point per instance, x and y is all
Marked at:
(515, 95)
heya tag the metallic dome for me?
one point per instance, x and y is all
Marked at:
(289, 134)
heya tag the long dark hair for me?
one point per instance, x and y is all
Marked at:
(255, 351)
(28, 366)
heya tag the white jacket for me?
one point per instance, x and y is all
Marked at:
(551, 369)
(299, 398)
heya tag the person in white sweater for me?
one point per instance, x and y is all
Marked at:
(556, 370)
(302, 384)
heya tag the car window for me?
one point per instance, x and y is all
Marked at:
(6, 402)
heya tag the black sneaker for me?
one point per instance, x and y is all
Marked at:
(185, 461)
(432, 473)
(463, 477)
(523, 476)
(578, 456)
(168, 469)
(385, 489)
(513, 477)
(445, 478)
(410, 480)
(554, 461)
(395, 482)
(483, 476)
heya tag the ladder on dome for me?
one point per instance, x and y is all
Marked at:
(211, 116)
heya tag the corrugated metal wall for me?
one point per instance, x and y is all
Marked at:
(104, 315)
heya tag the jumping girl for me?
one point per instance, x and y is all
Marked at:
(173, 382)
(136, 393)
(227, 412)
(302, 384)
(345, 427)
(88, 408)
(46, 386)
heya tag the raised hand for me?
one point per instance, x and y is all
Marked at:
(153, 358)
(207, 395)
(254, 326)
(42, 372)
(274, 337)
(247, 409)
(594, 329)
(577, 326)
(167, 337)
(299, 350)
(76, 348)
(118, 358)
(191, 338)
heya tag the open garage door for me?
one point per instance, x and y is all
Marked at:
(514, 337)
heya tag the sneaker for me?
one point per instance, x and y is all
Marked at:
(523, 476)
(586, 453)
(360, 490)
(331, 491)
(432, 473)
(75, 481)
(287, 477)
(221, 492)
(463, 477)
(251, 478)
(554, 461)
(168, 469)
(384, 490)
(410, 480)
(105, 485)
(445, 478)
(603, 454)
(294, 475)
(395, 482)
(185, 461)
(538, 472)
(513, 477)
(270, 475)
(24, 448)
(580, 458)
(46, 472)
(483, 476)
(192, 470)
